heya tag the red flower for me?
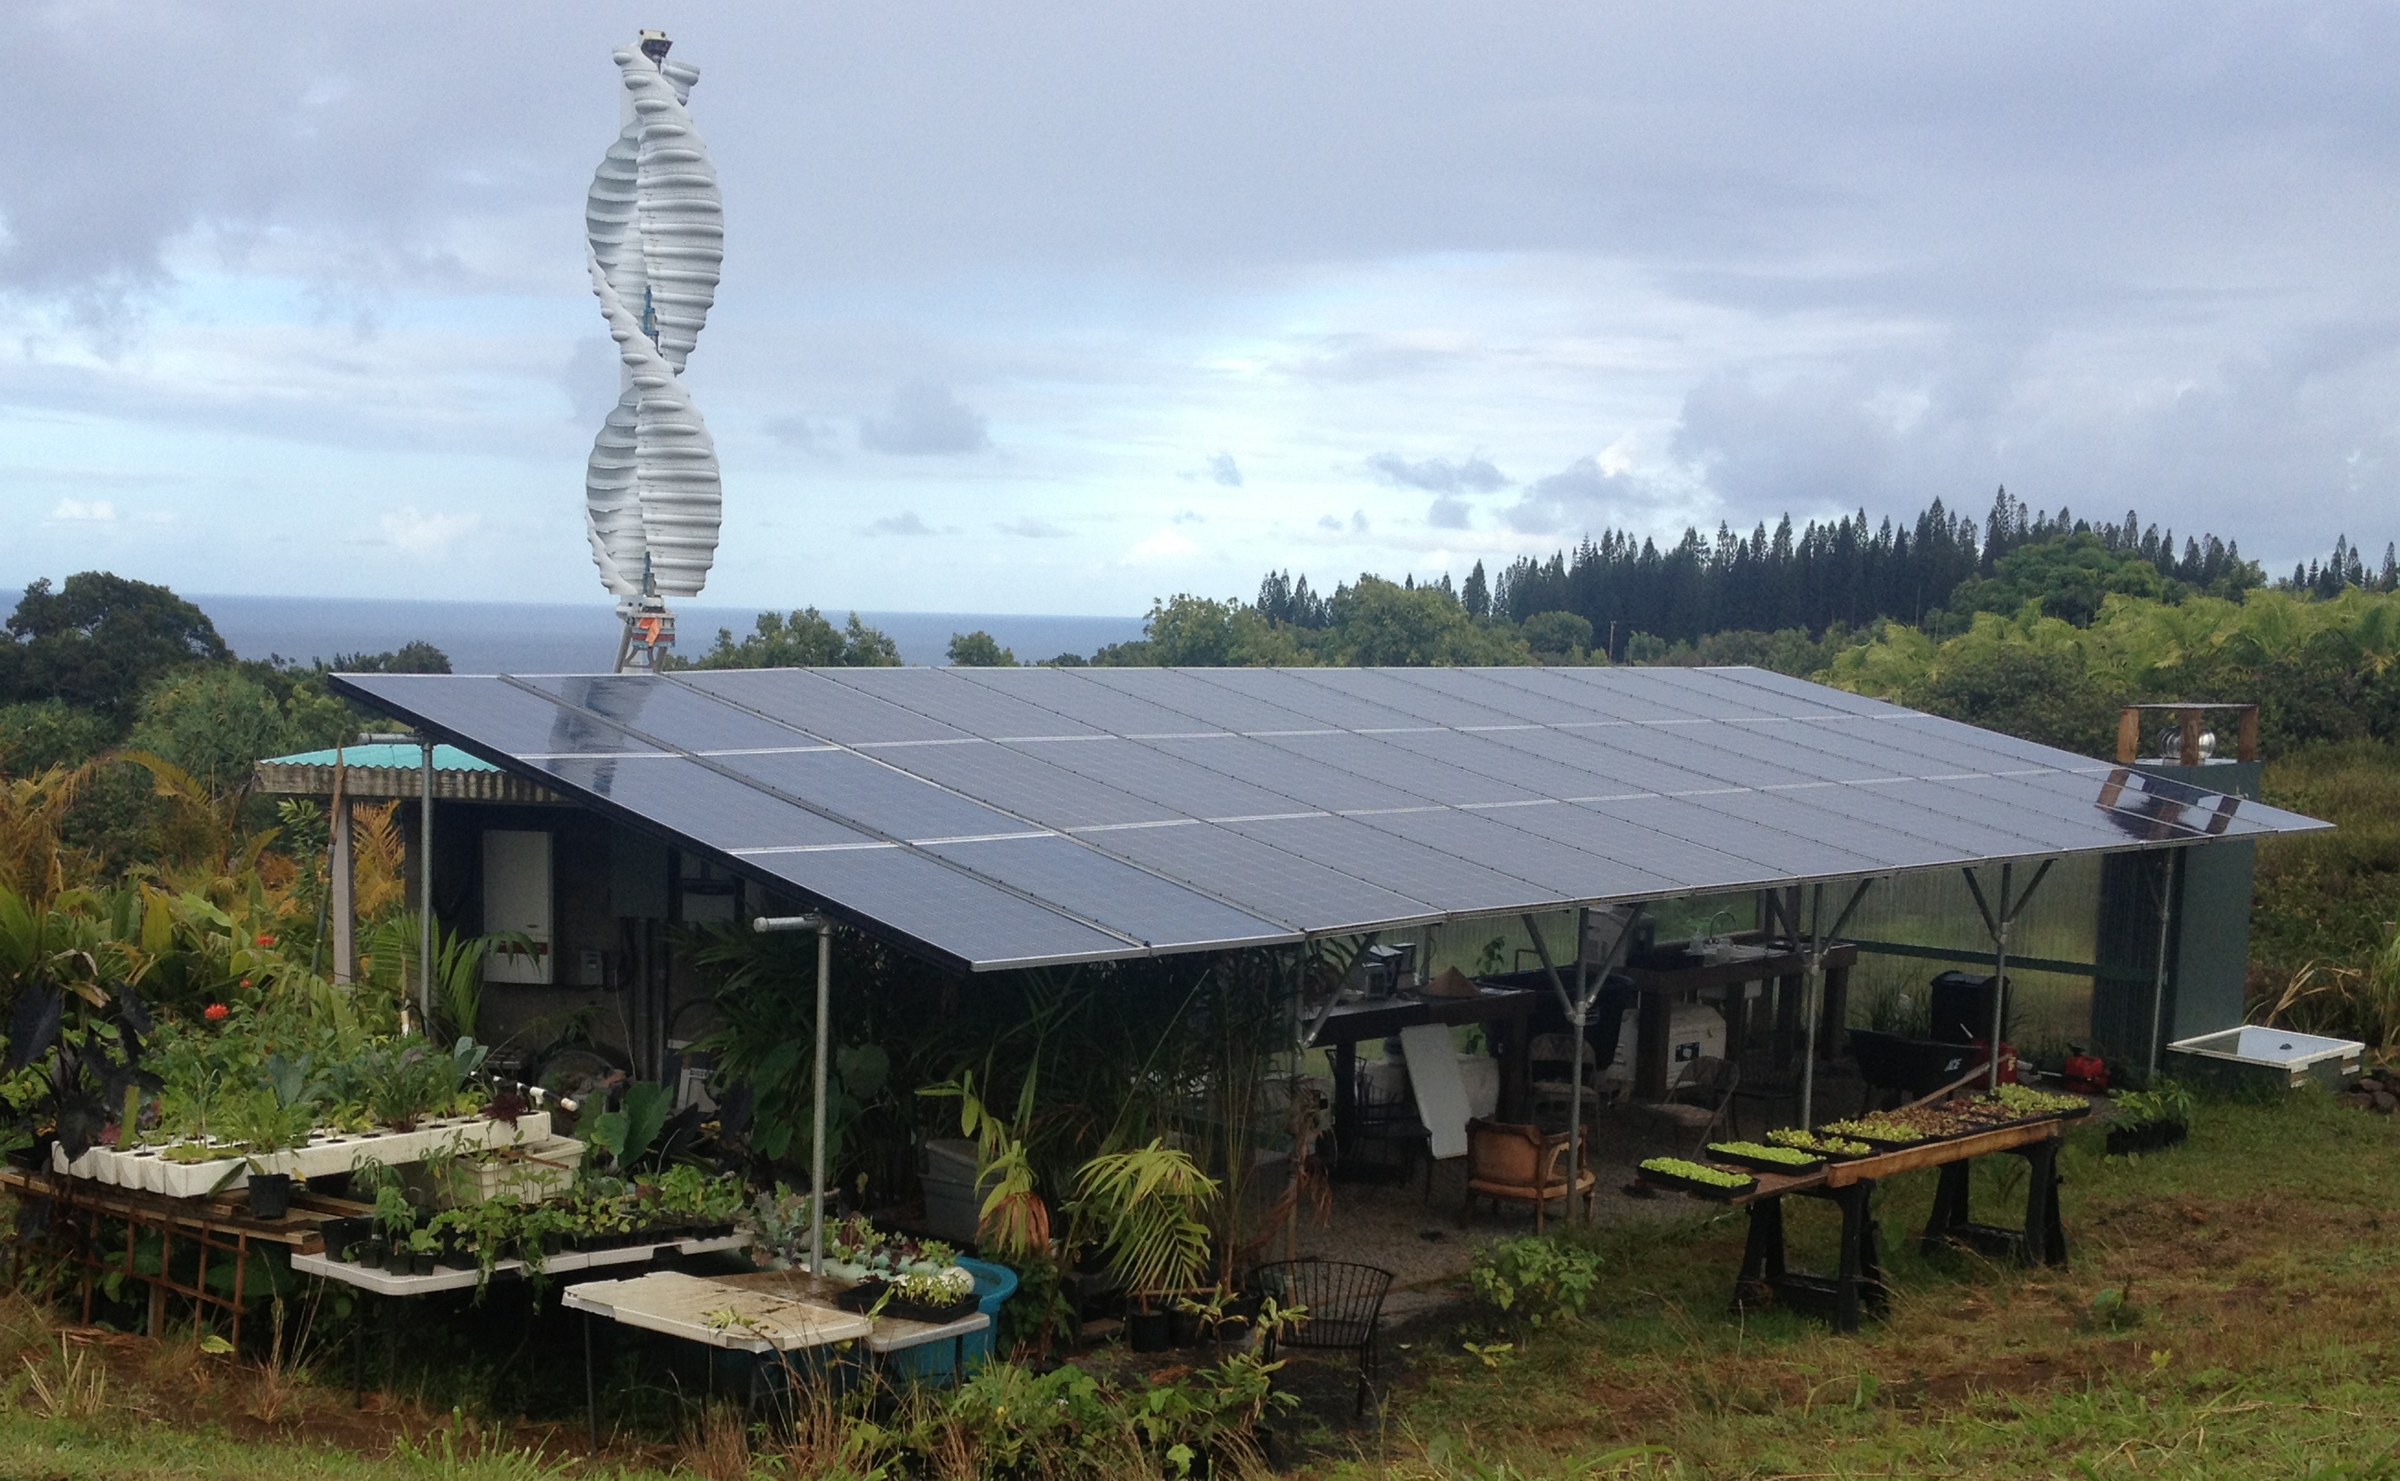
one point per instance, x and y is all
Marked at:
(215, 1012)
(245, 982)
(266, 941)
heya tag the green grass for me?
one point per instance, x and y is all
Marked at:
(2231, 1310)
(109, 1449)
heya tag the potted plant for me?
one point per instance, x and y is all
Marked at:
(2151, 1120)
(423, 1248)
(1146, 1205)
(265, 1125)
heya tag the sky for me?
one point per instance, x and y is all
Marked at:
(1062, 308)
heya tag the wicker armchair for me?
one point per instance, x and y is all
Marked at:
(1519, 1164)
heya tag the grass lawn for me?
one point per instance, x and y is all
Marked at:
(2230, 1312)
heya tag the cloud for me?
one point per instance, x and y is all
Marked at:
(1447, 514)
(1165, 546)
(803, 434)
(1190, 517)
(1032, 528)
(593, 379)
(1475, 475)
(1224, 470)
(903, 523)
(924, 420)
(1329, 522)
(421, 533)
(84, 512)
(1582, 495)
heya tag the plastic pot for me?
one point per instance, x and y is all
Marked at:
(421, 1262)
(270, 1195)
(1184, 1328)
(1148, 1331)
(396, 1261)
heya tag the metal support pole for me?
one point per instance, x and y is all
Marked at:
(425, 888)
(2000, 923)
(816, 1155)
(1814, 993)
(2008, 918)
(1578, 1007)
(1575, 1022)
(1812, 997)
(816, 1152)
(2164, 893)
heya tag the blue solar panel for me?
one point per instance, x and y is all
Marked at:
(1001, 818)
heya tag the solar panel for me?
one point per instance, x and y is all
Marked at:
(998, 818)
(1122, 896)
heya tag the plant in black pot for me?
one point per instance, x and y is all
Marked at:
(1145, 1204)
(2151, 1120)
(266, 1125)
(424, 1250)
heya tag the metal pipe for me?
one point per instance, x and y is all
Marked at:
(1576, 1022)
(816, 1156)
(1578, 1007)
(425, 888)
(1999, 978)
(1812, 1008)
(2164, 893)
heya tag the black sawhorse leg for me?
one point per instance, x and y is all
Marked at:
(2042, 1241)
(1855, 1286)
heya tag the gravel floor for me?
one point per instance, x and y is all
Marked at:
(1414, 1232)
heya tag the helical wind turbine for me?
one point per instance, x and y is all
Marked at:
(655, 224)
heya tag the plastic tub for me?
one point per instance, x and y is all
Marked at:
(994, 1284)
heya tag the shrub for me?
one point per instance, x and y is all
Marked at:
(1539, 1280)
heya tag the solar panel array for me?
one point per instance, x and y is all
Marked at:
(998, 818)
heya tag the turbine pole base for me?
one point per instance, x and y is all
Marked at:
(649, 632)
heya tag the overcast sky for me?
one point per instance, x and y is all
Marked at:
(1059, 308)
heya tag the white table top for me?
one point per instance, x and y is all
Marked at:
(565, 1262)
(764, 1312)
(707, 1311)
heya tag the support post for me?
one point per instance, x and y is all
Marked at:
(1578, 1008)
(2000, 923)
(1812, 1006)
(425, 887)
(343, 886)
(2163, 892)
(816, 1155)
(816, 1151)
(1991, 1083)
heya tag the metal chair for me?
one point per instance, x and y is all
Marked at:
(1344, 1308)
(1710, 1083)
(1552, 1060)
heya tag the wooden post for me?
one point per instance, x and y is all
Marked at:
(2249, 743)
(2129, 735)
(343, 884)
(2190, 720)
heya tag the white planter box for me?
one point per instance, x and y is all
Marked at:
(148, 1169)
(531, 1172)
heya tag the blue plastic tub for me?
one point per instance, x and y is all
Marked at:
(994, 1284)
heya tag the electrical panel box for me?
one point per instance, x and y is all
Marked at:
(516, 901)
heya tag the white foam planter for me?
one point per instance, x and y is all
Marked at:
(326, 1154)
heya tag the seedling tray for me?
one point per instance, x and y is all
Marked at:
(1713, 1191)
(1719, 1152)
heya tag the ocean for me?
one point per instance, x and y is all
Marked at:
(581, 638)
